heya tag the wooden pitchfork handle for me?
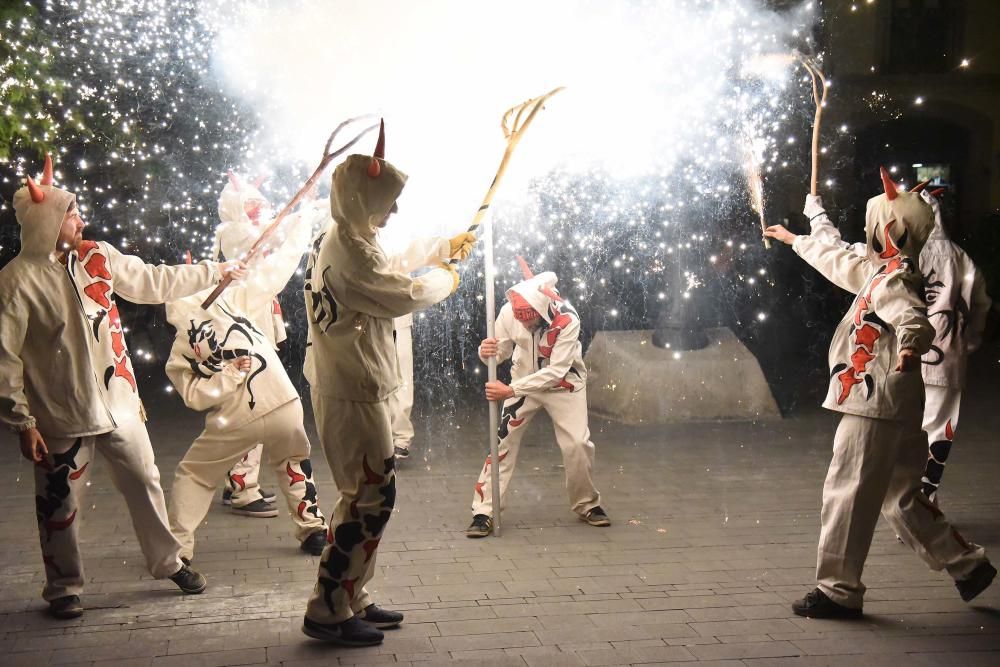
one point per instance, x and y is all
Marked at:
(819, 97)
(512, 133)
(328, 157)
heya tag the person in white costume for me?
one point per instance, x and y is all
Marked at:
(352, 294)
(67, 386)
(540, 332)
(244, 213)
(879, 449)
(222, 361)
(958, 305)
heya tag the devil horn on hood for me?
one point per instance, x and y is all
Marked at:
(375, 167)
(47, 170)
(37, 194)
(525, 269)
(234, 180)
(187, 257)
(259, 181)
(920, 186)
(549, 292)
(937, 193)
(891, 189)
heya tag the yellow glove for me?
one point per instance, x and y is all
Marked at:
(450, 268)
(461, 246)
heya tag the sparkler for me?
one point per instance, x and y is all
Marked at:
(755, 185)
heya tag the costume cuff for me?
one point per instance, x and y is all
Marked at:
(26, 425)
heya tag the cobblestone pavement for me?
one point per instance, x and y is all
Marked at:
(715, 529)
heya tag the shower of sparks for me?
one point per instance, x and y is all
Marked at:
(755, 185)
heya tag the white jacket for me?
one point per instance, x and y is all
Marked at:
(888, 312)
(353, 292)
(207, 342)
(954, 289)
(549, 358)
(64, 364)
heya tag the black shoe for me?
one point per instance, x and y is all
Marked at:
(258, 509)
(315, 543)
(189, 581)
(400, 452)
(481, 526)
(66, 607)
(596, 517)
(266, 496)
(817, 605)
(352, 632)
(380, 618)
(186, 560)
(977, 581)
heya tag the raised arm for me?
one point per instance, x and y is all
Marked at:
(139, 282)
(822, 228)
(377, 290)
(843, 268)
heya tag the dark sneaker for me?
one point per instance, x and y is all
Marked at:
(227, 496)
(352, 632)
(481, 526)
(186, 560)
(315, 543)
(596, 517)
(400, 452)
(267, 496)
(258, 509)
(66, 607)
(977, 581)
(817, 605)
(380, 618)
(189, 581)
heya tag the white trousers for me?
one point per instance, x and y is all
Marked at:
(243, 477)
(940, 424)
(60, 485)
(876, 466)
(401, 402)
(357, 439)
(215, 450)
(568, 412)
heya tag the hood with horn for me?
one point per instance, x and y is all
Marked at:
(237, 232)
(40, 209)
(897, 224)
(365, 189)
(537, 290)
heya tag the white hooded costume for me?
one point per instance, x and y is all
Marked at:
(879, 449)
(243, 409)
(352, 294)
(65, 369)
(235, 236)
(548, 373)
(955, 293)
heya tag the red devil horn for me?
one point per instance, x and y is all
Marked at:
(891, 190)
(187, 257)
(525, 269)
(37, 195)
(919, 186)
(47, 170)
(259, 181)
(375, 167)
(549, 292)
(937, 193)
(234, 180)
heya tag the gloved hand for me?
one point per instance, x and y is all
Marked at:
(450, 268)
(460, 246)
(813, 207)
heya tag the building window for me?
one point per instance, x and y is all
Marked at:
(924, 36)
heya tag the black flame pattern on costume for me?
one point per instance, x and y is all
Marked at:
(353, 543)
(936, 457)
(62, 470)
(301, 473)
(953, 321)
(319, 300)
(215, 353)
